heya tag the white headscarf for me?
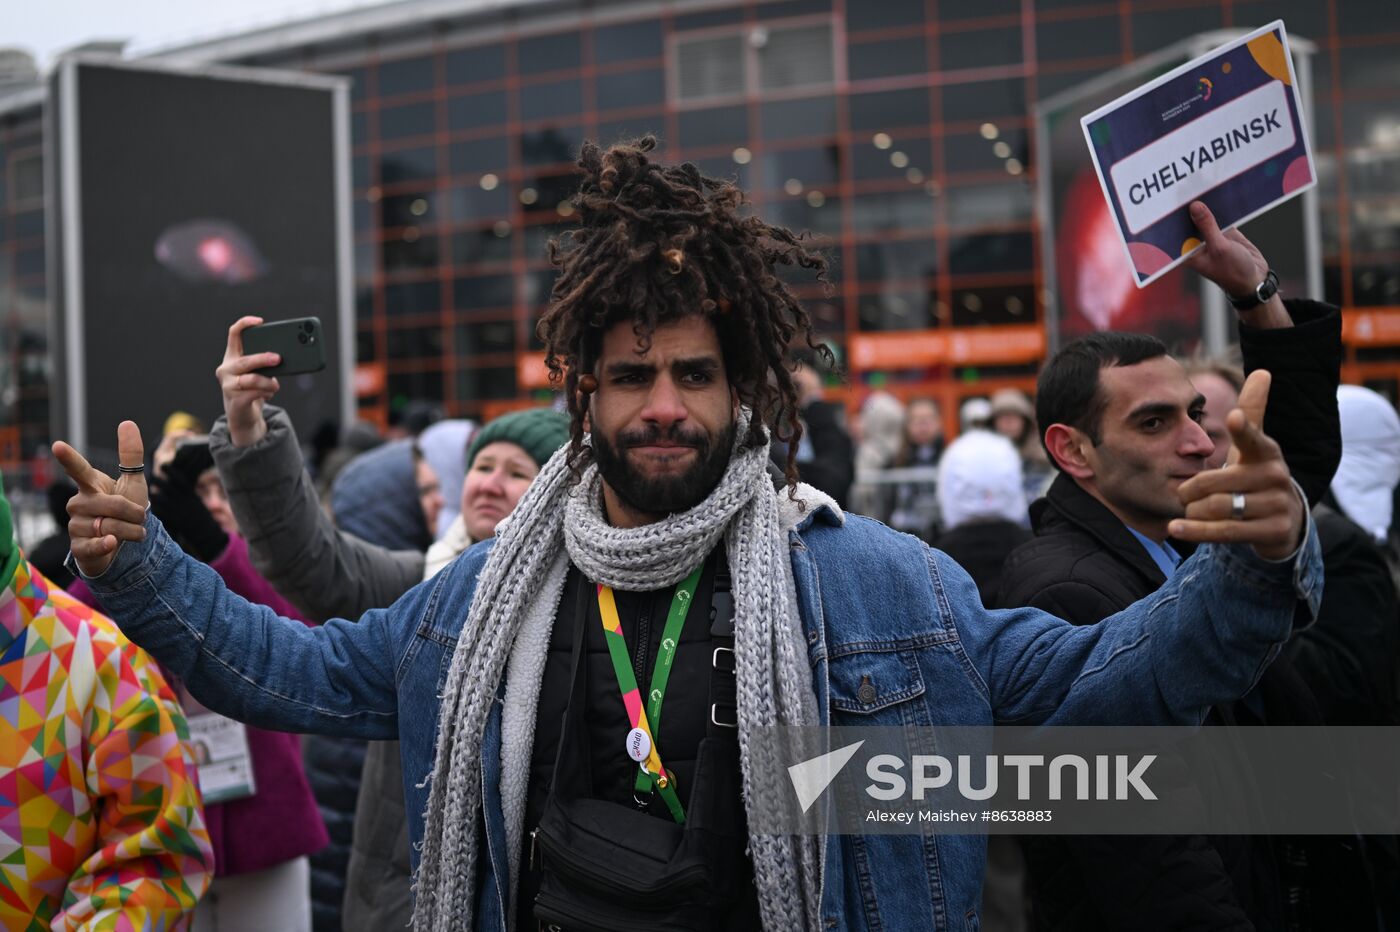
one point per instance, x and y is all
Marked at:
(980, 477)
(444, 446)
(881, 431)
(1370, 466)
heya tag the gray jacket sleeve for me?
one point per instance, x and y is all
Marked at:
(325, 572)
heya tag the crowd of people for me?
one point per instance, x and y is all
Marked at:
(372, 683)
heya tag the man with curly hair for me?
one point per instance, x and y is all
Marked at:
(527, 681)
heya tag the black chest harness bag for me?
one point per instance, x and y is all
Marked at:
(609, 867)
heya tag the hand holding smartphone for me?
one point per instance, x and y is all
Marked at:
(298, 341)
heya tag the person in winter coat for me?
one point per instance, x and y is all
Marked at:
(1369, 472)
(327, 572)
(881, 435)
(915, 508)
(1013, 417)
(982, 498)
(981, 495)
(444, 447)
(825, 454)
(261, 840)
(101, 824)
(1350, 656)
(383, 497)
(1123, 425)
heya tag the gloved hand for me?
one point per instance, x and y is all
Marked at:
(175, 503)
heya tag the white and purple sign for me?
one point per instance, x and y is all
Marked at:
(1226, 129)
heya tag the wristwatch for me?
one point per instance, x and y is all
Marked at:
(1262, 292)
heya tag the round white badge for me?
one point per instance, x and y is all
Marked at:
(638, 745)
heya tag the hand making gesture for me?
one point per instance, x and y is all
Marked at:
(105, 511)
(1251, 499)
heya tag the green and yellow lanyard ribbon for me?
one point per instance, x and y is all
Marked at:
(652, 775)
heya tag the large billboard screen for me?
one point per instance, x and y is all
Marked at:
(187, 199)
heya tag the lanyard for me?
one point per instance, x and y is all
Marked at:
(647, 720)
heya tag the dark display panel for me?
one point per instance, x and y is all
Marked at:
(199, 199)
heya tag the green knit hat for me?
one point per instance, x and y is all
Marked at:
(538, 431)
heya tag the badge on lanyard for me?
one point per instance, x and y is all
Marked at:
(221, 753)
(641, 740)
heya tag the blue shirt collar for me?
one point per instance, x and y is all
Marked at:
(1162, 554)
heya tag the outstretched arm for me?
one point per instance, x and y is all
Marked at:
(240, 659)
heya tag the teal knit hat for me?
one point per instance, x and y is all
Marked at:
(538, 431)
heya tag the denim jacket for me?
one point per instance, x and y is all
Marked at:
(879, 609)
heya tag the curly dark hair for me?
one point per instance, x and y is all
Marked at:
(657, 243)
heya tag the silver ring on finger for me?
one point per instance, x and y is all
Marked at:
(1237, 506)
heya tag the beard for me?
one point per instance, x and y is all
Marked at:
(663, 495)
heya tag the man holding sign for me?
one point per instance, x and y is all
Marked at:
(1122, 424)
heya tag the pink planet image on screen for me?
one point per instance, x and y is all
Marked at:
(210, 250)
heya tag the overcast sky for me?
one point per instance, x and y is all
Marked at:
(46, 27)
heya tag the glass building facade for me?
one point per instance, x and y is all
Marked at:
(897, 131)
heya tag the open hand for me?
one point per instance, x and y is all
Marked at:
(245, 390)
(1255, 476)
(105, 511)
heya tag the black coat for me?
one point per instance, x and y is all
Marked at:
(333, 766)
(1306, 361)
(1351, 654)
(1084, 565)
(981, 547)
(831, 466)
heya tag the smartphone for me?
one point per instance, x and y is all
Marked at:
(299, 341)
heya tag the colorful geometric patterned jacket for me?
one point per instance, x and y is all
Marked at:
(101, 825)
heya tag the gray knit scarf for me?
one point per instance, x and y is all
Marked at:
(773, 676)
